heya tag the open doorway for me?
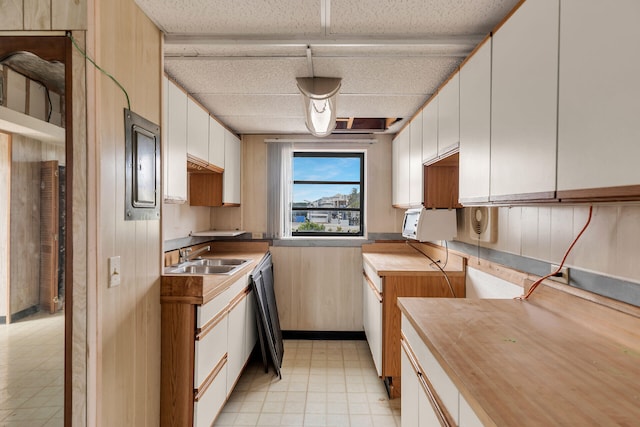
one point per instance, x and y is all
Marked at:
(35, 302)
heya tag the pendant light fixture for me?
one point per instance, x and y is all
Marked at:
(319, 96)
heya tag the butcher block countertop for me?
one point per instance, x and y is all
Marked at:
(552, 360)
(201, 288)
(406, 259)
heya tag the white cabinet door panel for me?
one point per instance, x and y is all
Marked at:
(216, 143)
(232, 172)
(449, 115)
(409, 390)
(598, 129)
(372, 320)
(475, 126)
(236, 343)
(197, 131)
(416, 180)
(430, 131)
(524, 101)
(176, 144)
(402, 143)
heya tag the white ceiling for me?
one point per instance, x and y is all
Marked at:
(240, 59)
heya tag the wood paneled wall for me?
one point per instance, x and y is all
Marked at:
(25, 223)
(318, 288)
(127, 388)
(5, 194)
(39, 15)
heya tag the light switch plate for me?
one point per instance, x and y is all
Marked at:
(114, 271)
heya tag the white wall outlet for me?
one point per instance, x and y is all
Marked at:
(256, 235)
(114, 271)
(563, 274)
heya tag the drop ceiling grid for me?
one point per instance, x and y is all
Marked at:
(290, 106)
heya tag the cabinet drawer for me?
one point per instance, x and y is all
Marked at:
(205, 313)
(443, 386)
(211, 346)
(373, 276)
(209, 400)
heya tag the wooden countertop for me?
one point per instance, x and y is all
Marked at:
(201, 288)
(403, 259)
(520, 363)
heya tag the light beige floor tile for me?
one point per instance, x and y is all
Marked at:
(269, 419)
(293, 420)
(360, 420)
(315, 420)
(337, 420)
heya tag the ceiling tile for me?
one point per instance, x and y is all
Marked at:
(413, 76)
(417, 17)
(237, 76)
(233, 17)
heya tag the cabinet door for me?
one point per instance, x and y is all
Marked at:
(176, 144)
(449, 115)
(251, 329)
(410, 390)
(395, 172)
(524, 103)
(475, 126)
(598, 128)
(372, 320)
(197, 131)
(236, 342)
(430, 131)
(216, 143)
(415, 161)
(231, 176)
(402, 143)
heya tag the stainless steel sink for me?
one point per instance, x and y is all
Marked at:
(207, 266)
(220, 261)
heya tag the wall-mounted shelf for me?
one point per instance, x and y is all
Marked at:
(15, 122)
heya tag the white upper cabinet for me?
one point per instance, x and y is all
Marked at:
(197, 131)
(599, 124)
(175, 144)
(475, 126)
(524, 103)
(449, 115)
(430, 130)
(232, 171)
(401, 154)
(216, 143)
(416, 179)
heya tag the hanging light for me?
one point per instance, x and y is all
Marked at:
(319, 96)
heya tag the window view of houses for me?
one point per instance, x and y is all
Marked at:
(328, 214)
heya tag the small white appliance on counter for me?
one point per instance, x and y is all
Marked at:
(429, 224)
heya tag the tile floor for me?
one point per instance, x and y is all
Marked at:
(324, 383)
(32, 371)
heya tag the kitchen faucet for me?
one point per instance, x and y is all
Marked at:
(187, 253)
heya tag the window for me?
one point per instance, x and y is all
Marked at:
(327, 194)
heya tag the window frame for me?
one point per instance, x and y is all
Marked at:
(318, 153)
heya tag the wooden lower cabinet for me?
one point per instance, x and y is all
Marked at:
(381, 315)
(204, 349)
